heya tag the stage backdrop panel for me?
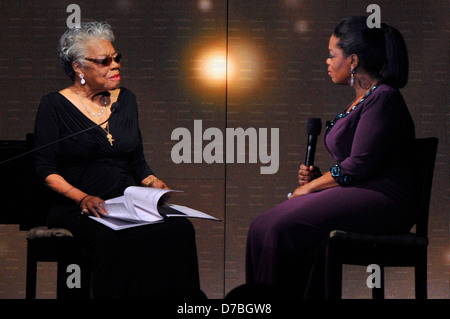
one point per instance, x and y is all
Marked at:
(210, 64)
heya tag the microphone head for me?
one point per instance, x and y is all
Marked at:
(115, 107)
(314, 126)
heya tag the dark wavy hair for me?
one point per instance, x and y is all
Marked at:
(381, 51)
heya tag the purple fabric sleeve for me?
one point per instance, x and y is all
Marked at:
(363, 143)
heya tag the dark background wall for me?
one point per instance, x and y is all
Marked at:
(277, 79)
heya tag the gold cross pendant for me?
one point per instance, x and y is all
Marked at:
(110, 138)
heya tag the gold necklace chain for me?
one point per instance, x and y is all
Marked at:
(109, 136)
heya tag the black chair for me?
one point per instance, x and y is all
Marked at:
(403, 250)
(57, 245)
(25, 203)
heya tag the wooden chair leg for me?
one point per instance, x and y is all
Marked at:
(333, 275)
(378, 293)
(420, 275)
(31, 275)
(62, 291)
(64, 252)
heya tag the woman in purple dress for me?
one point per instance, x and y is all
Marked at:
(369, 189)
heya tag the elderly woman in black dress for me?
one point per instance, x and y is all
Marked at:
(99, 164)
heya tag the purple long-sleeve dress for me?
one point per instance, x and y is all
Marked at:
(371, 147)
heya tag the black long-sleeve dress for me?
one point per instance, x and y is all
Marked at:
(132, 263)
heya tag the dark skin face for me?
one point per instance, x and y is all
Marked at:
(99, 78)
(340, 65)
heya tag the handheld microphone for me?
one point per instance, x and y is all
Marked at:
(313, 130)
(114, 109)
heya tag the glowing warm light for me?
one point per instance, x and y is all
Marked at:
(205, 5)
(237, 66)
(214, 67)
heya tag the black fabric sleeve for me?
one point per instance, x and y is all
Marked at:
(46, 131)
(139, 165)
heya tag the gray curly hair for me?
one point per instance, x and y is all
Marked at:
(72, 43)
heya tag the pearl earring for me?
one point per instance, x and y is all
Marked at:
(83, 81)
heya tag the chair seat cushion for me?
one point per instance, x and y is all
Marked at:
(45, 232)
(401, 239)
